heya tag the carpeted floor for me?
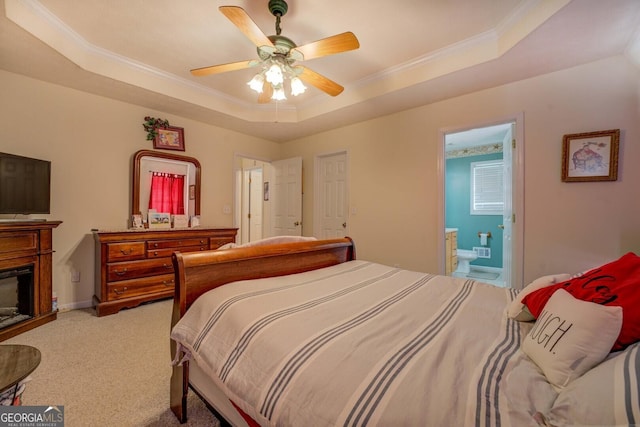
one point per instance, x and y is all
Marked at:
(108, 371)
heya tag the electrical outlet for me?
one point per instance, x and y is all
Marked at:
(226, 209)
(75, 276)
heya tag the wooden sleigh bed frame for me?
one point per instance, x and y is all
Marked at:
(198, 272)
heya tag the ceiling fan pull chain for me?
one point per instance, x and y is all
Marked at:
(278, 29)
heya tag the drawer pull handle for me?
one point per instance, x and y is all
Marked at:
(167, 266)
(117, 292)
(121, 273)
(169, 283)
(155, 254)
(125, 252)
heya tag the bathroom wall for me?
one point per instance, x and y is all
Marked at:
(457, 199)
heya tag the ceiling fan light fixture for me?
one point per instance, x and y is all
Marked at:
(297, 87)
(278, 94)
(274, 74)
(257, 82)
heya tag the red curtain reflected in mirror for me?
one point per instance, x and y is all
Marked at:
(167, 193)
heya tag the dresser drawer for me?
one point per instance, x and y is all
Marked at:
(160, 253)
(125, 251)
(176, 244)
(138, 287)
(132, 269)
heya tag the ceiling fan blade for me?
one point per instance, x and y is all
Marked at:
(240, 19)
(321, 82)
(223, 68)
(329, 46)
(267, 92)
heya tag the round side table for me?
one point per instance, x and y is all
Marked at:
(16, 363)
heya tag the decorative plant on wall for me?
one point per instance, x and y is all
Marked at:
(151, 125)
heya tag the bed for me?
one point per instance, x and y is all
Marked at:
(305, 334)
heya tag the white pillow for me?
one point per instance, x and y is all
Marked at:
(571, 336)
(277, 239)
(228, 246)
(517, 310)
(604, 396)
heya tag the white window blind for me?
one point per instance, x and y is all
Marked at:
(487, 193)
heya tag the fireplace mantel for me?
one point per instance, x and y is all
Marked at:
(30, 243)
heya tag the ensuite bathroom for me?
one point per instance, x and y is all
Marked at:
(475, 203)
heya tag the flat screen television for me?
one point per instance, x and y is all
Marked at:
(25, 185)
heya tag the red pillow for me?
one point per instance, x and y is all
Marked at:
(616, 284)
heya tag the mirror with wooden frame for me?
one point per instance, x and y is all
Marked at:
(145, 162)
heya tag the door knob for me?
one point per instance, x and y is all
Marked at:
(501, 226)
(344, 225)
(297, 223)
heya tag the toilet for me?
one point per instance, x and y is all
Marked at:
(464, 258)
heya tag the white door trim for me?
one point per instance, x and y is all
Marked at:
(517, 271)
(317, 202)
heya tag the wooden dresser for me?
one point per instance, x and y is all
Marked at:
(134, 266)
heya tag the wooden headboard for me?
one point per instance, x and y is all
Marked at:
(198, 272)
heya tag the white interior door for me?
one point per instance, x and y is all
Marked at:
(507, 215)
(255, 205)
(331, 200)
(244, 207)
(287, 197)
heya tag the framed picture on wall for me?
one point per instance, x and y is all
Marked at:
(169, 138)
(591, 156)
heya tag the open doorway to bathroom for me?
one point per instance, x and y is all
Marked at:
(479, 194)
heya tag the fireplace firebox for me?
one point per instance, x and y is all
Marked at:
(26, 254)
(16, 295)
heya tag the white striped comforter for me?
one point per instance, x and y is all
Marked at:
(365, 344)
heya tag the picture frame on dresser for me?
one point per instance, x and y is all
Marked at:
(136, 221)
(159, 220)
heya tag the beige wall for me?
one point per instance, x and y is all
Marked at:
(394, 173)
(90, 141)
(568, 227)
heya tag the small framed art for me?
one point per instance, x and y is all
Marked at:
(136, 221)
(591, 156)
(159, 220)
(169, 138)
(180, 221)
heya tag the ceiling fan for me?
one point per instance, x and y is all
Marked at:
(278, 56)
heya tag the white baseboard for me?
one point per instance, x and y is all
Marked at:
(75, 305)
